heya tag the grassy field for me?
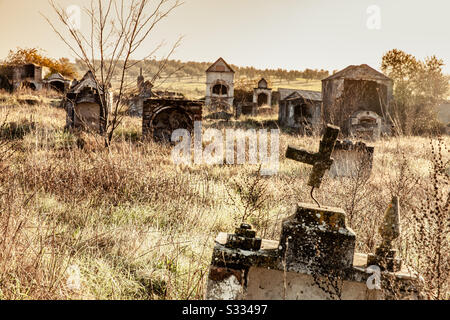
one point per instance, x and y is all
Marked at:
(136, 226)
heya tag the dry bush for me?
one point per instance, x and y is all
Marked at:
(250, 197)
(115, 213)
(402, 169)
(31, 264)
(431, 235)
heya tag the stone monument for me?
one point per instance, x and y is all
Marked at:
(314, 259)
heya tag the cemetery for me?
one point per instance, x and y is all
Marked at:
(303, 246)
(132, 177)
(315, 257)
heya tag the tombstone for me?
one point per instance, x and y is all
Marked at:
(83, 104)
(23, 76)
(161, 117)
(300, 110)
(320, 161)
(359, 100)
(385, 256)
(366, 125)
(28, 75)
(140, 79)
(57, 82)
(314, 259)
(136, 101)
(352, 159)
(262, 95)
(220, 86)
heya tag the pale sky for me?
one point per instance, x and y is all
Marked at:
(289, 34)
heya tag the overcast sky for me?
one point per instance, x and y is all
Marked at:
(290, 34)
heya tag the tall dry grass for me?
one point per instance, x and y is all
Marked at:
(139, 227)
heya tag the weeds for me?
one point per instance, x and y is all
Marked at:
(251, 200)
(432, 228)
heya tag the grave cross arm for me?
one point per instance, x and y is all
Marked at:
(320, 161)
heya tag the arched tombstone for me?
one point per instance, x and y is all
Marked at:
(262, 84)
(161, 117)
(366, 125)
(83, 103)
(262, 95)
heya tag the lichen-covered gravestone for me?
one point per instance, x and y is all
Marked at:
(314, 259)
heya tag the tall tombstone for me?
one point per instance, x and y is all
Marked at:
(87, 105)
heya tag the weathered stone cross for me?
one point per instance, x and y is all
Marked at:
(320, 161)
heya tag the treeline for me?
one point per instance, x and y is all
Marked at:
(167, 68)
(281, 74)
(420, 86)
(191, 69)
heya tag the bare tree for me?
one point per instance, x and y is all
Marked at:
(118, 28)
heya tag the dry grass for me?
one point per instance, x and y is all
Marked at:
(139, 227)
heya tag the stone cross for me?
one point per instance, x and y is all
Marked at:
(320, 161)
